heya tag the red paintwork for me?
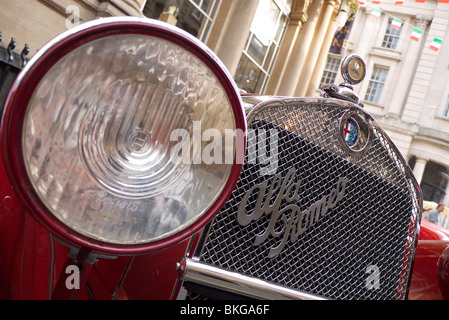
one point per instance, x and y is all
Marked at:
(26, 264)
(27, 268)
(430, 273)
(431, 231)
(443, 273)
(424, 283)
(154, 276)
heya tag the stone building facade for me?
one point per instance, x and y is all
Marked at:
(407, 85)
(264, 43)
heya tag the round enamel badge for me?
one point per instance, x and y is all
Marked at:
(351, 132)
(355, 132)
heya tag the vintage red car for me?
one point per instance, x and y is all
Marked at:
(133, 168)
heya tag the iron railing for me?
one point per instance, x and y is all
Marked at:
(11, 63)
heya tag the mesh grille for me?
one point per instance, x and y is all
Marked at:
(371, 228)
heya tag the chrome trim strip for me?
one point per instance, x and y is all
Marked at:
(207, 275)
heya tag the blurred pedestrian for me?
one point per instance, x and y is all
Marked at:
(434, 214)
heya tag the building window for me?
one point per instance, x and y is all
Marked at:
(197, 17)
(376, 84)
(391, 36)
(434, 182)
(330, 71)
(446, 109)
(262, 45)
(194, 16)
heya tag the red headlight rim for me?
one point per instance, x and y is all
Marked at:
(22, 91)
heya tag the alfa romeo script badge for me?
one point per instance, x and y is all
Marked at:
(285, 190)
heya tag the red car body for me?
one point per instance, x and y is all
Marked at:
(430, 272)
(34, 261)
(35, 264)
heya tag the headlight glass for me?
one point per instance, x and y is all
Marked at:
(105, 132)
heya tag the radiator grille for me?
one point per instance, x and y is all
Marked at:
(369, 232)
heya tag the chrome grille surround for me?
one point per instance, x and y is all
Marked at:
(373, 226)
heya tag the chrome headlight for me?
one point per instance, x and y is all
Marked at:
(116, 135)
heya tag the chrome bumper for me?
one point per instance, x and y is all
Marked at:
(213, 277)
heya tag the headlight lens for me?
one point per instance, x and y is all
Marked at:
(110, 137)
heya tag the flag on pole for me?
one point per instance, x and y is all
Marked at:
(416, 34)
(341, 36)
(361, 2)
(396, 23)
(396, 2)
(436, 44)
(375, 13)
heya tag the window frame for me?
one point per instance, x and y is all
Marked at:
(445, 112)
(202, 13)
(375, 98)
(209, 17)
(265, 65)
(391, 36)
(325, 79)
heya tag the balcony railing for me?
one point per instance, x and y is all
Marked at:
(11, 62)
